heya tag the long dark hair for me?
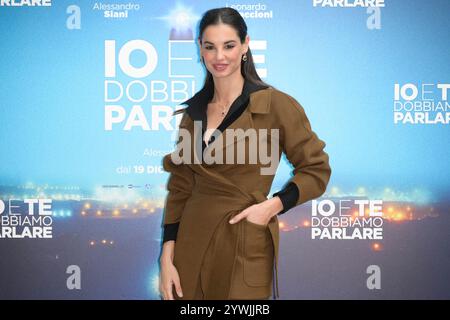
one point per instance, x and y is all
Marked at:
(232, 18)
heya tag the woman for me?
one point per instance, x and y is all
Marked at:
(221, 232)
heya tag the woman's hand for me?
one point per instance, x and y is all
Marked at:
(168, 275)
(260, 213)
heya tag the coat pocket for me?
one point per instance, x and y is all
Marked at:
(258, 254)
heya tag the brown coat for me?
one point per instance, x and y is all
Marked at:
(204, 197)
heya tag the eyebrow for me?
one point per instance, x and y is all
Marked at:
(209, 42)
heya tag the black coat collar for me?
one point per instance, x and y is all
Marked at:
(197, 105)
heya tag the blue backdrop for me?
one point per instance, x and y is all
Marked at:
(106, 183)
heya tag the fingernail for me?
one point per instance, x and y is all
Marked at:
(180, 294)
(232, 221)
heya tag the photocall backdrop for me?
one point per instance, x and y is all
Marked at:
(87, 91)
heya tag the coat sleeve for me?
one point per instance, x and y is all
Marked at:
(179, 186)
(303, 148)
(288, 196)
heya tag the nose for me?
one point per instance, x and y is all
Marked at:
(219, 54)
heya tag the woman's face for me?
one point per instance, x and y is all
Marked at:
(222, 50)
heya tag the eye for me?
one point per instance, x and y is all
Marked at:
(230, 46)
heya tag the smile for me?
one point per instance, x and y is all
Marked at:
(220, 67)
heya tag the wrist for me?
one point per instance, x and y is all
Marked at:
(168, 251)
(275, 206)
(165, 258)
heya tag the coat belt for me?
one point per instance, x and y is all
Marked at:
(238, 201)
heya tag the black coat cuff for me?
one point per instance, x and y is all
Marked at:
(288, 196)
(170, 231)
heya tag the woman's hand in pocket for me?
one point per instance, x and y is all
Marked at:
(260, 213)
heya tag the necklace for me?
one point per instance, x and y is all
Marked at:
(224, 110)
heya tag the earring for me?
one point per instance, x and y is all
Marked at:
(244, 57)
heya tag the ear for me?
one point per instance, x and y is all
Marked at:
(246, 44)
(199, 48)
